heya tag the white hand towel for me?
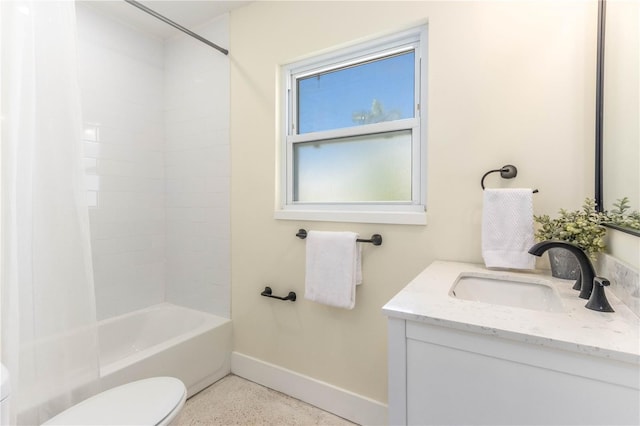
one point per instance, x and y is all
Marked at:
(333, 268)
(507, 228)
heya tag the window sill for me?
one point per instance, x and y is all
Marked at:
(397, 218)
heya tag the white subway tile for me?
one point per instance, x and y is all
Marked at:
(92, 199)
(89, 165)
(194, 134)
(91, 149)
(156, 143)
(122, 244)
(108, 167)
(91, 133)
(92, 182)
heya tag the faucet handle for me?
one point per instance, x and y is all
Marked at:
(578, 284)
(598, 300)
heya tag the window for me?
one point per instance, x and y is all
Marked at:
(354, 134)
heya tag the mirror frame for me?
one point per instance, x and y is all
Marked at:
(599, 174)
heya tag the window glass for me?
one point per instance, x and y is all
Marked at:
(372, 168)
(371, 92)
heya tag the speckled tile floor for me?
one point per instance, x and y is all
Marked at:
(236, 401)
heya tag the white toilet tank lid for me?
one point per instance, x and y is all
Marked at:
(5, 383)
(144, 402)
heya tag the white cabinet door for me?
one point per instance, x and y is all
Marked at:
(456, 377)
(451, 386)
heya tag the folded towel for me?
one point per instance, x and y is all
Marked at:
(333, 268)
(507, 228)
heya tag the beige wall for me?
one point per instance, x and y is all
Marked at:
(509, 83)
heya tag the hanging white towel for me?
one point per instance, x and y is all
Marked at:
(333, 268)
(507, 228)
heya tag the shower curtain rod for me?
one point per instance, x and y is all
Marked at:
(175, 25)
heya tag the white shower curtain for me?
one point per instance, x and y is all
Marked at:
(49, 337)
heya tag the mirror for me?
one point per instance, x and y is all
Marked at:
(618, 105)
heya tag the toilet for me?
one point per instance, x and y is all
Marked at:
(154, 401)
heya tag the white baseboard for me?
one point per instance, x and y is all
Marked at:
(341, 402)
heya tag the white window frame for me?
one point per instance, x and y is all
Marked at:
(412, 212)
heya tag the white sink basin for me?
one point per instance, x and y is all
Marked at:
(519, 292)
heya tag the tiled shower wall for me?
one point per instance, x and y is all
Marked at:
(197, 170)
(156, 156)
(121, 80)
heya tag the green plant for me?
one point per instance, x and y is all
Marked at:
(581, 227)
(620, 217)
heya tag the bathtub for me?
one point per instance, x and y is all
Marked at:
(165, 340)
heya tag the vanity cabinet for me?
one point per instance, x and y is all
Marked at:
(465, 362)
(439, 375)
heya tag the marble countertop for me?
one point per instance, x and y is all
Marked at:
(610, 335)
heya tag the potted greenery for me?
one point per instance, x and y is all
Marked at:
(581, 227)
(585, 229)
